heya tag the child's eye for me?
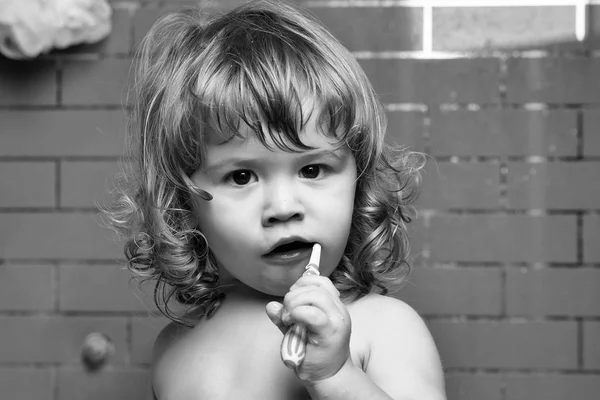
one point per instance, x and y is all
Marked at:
(312, 171)
(240, 177)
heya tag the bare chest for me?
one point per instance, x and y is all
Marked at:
(245, 351)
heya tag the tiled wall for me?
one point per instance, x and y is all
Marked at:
(504, 97)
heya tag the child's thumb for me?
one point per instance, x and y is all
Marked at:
(274, 313)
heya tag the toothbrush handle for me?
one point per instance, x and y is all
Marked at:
(293, 346)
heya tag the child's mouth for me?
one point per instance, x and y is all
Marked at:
(290, 251)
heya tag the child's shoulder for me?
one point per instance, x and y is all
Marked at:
(168, 354)
(183, 360)
(399, 342)
(384, 309)
(391, 316)
(217, 358)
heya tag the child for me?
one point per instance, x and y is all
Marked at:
(258, 135)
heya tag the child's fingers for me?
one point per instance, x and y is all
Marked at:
(321, 286)
(310, 295)
(300, 307)
(274, 311)
(312, 317)
(314, 280)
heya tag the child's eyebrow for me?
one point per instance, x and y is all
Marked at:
(337, 153)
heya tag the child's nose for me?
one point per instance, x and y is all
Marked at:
(282, 204)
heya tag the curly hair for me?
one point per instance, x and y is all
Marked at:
(252, 65)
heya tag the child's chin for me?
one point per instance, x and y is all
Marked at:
(275, 291)
(255, 290)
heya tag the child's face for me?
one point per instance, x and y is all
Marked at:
(263, 198)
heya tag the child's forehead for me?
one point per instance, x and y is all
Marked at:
(312, 135)
(309, 127)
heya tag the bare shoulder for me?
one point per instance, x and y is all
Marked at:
(394, 320)
(402, 358)
(378, 306)
(168, 354)
(168, 337)
(232, 355)
(192, 363)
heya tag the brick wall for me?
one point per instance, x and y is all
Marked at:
(506, 247)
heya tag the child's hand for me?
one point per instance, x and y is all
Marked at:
(314, 302)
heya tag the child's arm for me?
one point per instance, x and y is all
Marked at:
(402, 362)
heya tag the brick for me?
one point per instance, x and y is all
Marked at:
(117, 42)
(87, 184)
(591, 238)
(56, 236)
(19, 383)
(374, 28)
(42, 339)
(406, 128)
(454, 291)
(144, 332)
(552, 387)
(114, 384)
(39, 281)
(556, 292)
(27, 83)
(554, 185)
(417, 234)
(27, 184)
(225, 5)
(591, 345)
(142, 21)
(509, 28)
(553, 80)
(434, 81)
(398, 28)
(504, 133)
(461, 185)
(145, 17)
(62, 133)
(591, 128)
(461, 386)
(95, 82)
(504, 238)
(491, 344)
(83, 288)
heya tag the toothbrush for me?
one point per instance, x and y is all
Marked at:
(293, 346)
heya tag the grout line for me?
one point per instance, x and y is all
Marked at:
(503, 292)
(503, 387)
(128, 339)
(57, 184)
(580, 134)
(56, 286)
(580, 344)
(54, 378)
